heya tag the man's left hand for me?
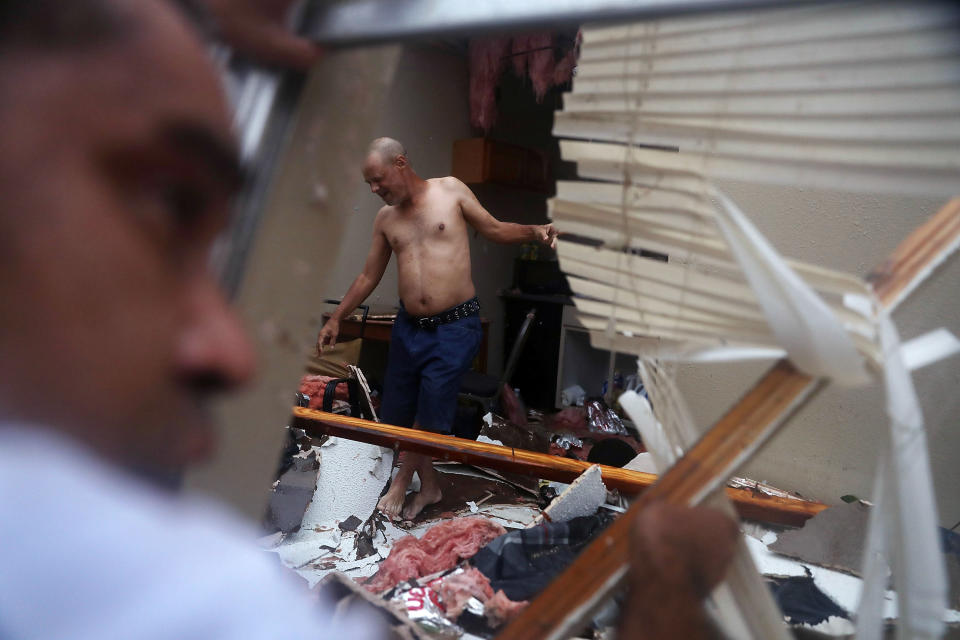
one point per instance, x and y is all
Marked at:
(548, 235)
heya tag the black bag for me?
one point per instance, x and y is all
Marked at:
(357, 409)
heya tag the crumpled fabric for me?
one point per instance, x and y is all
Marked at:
(802, 602)
(524, 561)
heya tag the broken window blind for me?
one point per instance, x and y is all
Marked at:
(855, 96)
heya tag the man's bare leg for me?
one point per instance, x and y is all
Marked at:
(391, 504)
(429, 486)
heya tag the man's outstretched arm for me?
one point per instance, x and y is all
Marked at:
(496, 230)
(362, 286)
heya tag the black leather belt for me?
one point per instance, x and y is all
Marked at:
(463, 310)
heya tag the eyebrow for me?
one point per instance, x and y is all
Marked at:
(203, 144)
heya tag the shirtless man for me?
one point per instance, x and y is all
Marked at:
(437, 332)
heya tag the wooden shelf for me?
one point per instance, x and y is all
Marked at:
(486, 161)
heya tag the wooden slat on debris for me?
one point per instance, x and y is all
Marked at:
(568, 601)
(750, 504)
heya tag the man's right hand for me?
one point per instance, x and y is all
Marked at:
(678, 555)
(328, 335)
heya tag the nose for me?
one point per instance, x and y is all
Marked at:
(214, 349)
(375, 189)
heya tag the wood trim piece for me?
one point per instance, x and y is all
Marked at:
(750, 504)
(599, 568)
(925, 248)
(563, 606)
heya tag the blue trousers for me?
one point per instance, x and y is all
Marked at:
(425, 368)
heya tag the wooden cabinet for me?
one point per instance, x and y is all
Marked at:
(482, 160)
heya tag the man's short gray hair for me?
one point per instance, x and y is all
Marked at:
(387, 148)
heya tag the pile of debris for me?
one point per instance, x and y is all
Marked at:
(471, 562)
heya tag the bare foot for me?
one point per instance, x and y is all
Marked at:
(419, 501)
(391, 503)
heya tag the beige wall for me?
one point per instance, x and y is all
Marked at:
(307, 213)
(427, 109)
(829, 449)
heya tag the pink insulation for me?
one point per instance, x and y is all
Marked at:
(405, 561)
(540, 63)
(440, 548)
(499, 609)
(449, 542)
(313, 386)
(531, 54)
(487, 57)
(456, 589)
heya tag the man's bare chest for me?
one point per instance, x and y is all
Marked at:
(425, 228)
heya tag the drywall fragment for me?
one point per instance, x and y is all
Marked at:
(350, 524)
(833, 538)
(291, 496)
(352, 475)
(582, 498)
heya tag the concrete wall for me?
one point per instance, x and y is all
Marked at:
(308, 211)
(829, 449)
(316, 230)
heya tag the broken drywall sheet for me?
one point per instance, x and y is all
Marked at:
(318, 549)
(582, 498)
(316, 544)
(292, 494)
(352, 476)
(349, 483)
(833, 538)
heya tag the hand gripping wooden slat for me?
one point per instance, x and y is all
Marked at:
(564, 606)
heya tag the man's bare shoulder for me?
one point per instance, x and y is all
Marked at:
(385, 211)
(449, 183)
(384, 215)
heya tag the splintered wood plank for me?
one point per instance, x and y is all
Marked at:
(564, 606)
(569, 600)
(756, 506)
(922, 251)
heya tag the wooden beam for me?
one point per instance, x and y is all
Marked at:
(750, 504)
(926, 247)
(560, 609)
(563, 607)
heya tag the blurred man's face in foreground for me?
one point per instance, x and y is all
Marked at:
(116, 171)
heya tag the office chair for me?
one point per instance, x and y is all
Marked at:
(484, 389)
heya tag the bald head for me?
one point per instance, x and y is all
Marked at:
(388, 149)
